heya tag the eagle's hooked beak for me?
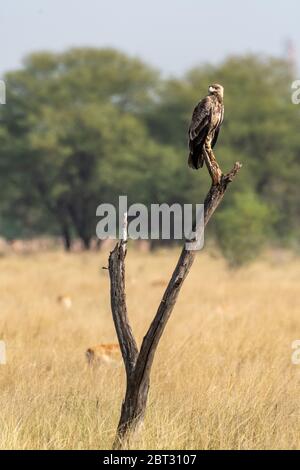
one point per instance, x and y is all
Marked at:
(211, 89)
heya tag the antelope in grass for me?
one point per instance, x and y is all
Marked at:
(103, 354)
(65, 301)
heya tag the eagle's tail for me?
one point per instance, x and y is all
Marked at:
(196, 160)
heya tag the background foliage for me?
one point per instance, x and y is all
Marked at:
(84, 126)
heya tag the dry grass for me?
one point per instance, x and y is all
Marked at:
(222, 376)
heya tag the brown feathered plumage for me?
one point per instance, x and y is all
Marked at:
(205, 125)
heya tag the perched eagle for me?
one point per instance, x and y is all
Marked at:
(205, 126)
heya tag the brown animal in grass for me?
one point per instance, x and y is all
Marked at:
(65, 301)
(103, 354)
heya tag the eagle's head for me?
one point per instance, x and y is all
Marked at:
(216, 89)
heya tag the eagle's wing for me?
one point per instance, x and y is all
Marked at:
(201, 118)
(214, 141)
(198, 131)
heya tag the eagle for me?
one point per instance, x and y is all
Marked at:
(205, 125)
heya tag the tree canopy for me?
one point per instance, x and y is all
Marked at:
(84, 126)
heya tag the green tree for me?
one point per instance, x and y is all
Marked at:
(86, 125)
(72, 123)
(244, 227)
(260, 129)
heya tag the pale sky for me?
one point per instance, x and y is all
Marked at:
(172, 35)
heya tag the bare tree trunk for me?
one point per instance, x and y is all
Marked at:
(138, 364)
(66, 235)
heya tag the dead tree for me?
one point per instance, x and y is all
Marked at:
(138, 363)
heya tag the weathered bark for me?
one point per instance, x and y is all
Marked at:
(138, 364)
(118, 306)
(212, 165)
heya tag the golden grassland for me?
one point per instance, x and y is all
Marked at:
(222, 377)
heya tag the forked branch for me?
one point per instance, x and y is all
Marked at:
(138, 364)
